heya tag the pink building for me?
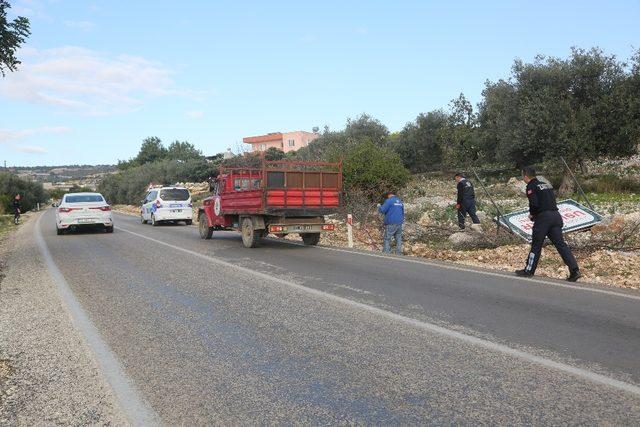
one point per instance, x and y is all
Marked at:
(285, 141)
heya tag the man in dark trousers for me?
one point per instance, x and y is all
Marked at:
(547, 222)
(17, 208)
(466, 201)
(393, 210)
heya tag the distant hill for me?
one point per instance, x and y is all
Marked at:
(60, 173)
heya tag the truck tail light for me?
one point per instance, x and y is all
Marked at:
(103, 208)
(328, 227)
(276, 228)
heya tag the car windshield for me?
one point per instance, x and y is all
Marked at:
(84, 198)
(178, 194)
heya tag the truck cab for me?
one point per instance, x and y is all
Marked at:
(279, 197)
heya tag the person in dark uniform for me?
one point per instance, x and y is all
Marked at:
(17, 208)
(466, 201)
(547, 222)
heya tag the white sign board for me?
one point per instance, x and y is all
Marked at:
(574, 216)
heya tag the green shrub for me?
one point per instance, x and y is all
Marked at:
(32, 192)
(374, 169)
(611, 183)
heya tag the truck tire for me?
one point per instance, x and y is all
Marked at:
(311, 239)
(250, 236)
(203, 227)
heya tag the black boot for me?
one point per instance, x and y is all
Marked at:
(524, 273)
(574, 275)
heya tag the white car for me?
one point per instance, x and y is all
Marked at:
(80, 210)
(167, 204)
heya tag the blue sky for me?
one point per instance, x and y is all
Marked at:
(99, 76)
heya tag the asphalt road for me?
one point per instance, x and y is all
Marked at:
(211, 332)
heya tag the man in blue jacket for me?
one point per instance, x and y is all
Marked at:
(393, 211)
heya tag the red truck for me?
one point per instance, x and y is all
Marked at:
(279, 197)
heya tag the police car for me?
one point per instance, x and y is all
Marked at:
(166, 204)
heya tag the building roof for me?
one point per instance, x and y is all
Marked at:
(275, 136)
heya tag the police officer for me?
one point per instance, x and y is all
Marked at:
(547, 222)
(466, 201)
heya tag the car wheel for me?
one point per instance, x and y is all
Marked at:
(311, 239)
(59, 231)
(250, 236)
(203, 228)
(189, 222)
(142, 220)
(109, 229)
(153, 220)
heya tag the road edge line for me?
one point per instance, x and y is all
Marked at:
(426, 326)
(131, 402)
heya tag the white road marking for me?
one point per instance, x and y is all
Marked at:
(484, 272)
(426, 326)
(138, 412)
(502, 275)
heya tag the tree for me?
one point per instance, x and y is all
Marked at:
(577, 108)
(151, 150)
(182, 151)
(12, 35)
(461, 144)
(419, 144)
(366, 126)
(373, 169)
(274, 153)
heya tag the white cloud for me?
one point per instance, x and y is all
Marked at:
(20, 135)
(90, 82)
(195, 114)
(80, 25)
(30, 149)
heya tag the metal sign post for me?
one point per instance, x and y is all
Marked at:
(577, 183)
(350, 230)
(493, 203)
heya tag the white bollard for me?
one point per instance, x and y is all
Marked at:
(38, 206)
(350, 230)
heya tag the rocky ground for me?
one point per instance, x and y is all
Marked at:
(608, 254)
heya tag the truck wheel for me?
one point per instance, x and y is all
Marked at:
(311, 239)
(250, 236)
(203, 227)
